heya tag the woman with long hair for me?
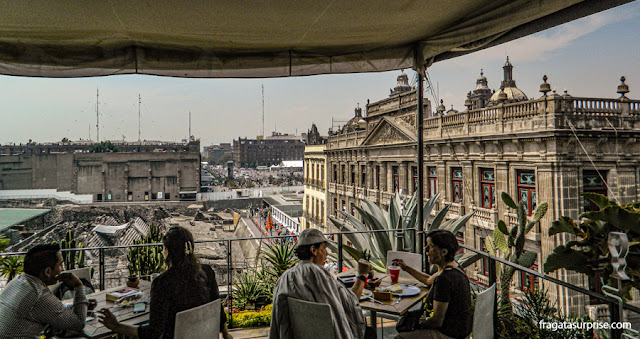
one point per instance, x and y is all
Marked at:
(449, 295)
(184, 285)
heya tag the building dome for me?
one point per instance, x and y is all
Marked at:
(508, 87)
(357, 121)
(402, 84)
(481, 83)
(513, 94)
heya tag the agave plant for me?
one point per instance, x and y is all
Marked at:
(250, 287)
(11, 266)
(280, 258)
(401, 215)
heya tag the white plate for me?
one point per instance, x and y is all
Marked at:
(408, 291)
(365, 294)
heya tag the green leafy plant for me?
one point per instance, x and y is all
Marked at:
(510, 244)
(589, 253)
(280, 257)
(252, 318)
(250, 288)
(11, 266)
(400, 215)
(145, 260)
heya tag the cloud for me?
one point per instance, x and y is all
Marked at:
(541, 46)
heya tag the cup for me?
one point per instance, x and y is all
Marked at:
(394, 273)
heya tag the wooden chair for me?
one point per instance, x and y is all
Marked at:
(310, 320)
(483, 314)
(202, 322)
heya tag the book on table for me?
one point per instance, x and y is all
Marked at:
(123, 293)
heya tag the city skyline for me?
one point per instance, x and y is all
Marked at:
(585, 57)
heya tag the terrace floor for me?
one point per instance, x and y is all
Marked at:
(388, 330)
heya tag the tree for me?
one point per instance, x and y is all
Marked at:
(11, 266)
(103, 147)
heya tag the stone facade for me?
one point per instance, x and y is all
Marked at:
(268, 151)
(314, 203)
(553, 149)
(109, 177)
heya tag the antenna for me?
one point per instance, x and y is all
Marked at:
(97, 115)
(262, 130)
(139, 100)
(189, 136)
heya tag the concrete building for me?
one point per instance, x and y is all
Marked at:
(83, 146)
(314, 203)
(552, 148)
(268, 151)
(121, 176)
(217, 151)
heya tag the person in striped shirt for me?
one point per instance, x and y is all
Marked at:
(27, 305)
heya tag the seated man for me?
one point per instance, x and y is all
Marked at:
(27, 305)
(309, 281)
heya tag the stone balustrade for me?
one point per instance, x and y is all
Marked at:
(487, 218)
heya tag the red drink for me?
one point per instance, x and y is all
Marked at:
(394, 273)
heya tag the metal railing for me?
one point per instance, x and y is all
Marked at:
(338, 238)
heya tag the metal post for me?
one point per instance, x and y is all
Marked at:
(419, 127)
(339, 252)
(616, 317)
(492, 280)
(229, 288)
(101, 267)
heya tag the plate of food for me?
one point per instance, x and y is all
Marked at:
(366, 294)
(403, 290)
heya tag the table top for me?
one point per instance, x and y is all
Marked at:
(94, 329)
(393, 306)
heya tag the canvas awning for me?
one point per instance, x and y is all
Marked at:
(230, 38)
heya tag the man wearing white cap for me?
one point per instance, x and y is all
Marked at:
(309, 281)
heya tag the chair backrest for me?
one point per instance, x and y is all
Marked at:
(81, 273)
(412, 259)
(199, 322)
(310, 320)
(483, 314)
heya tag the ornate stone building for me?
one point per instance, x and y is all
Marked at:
(314, 203)
(552, 148)
(269, 151)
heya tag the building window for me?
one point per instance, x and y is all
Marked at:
(363, 175)
(396, 179)
(335, 206)
(485, 260)
(487, 187)
(528, 281)
(527, 190)
(433, 181)
(353, 209)
(344, 206)
(322, 211)
(307, 172)
(456, 184)
(307, 205)
(335, 173)
(317, 212)
(344, 177)
(353, 175)
(378, 177)
(414, 175)
(129, 196)
(322, 174)
(593, 182)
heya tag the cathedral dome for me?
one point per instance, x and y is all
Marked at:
(513, 94)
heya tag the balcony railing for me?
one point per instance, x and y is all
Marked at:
(339, 239)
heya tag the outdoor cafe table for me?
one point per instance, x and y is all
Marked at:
(94, 329)
(391, 306)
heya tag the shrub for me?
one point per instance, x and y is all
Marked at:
(252, 319)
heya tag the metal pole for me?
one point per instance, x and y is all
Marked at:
(419, 125)
(101, 268)
(229, 288)
(339, 252)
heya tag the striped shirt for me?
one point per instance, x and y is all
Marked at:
(27, 306)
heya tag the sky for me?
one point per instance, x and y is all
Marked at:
(586, 57)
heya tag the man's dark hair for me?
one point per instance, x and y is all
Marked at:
(40, 257)
(444, 239)
(304, 252)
